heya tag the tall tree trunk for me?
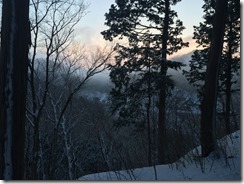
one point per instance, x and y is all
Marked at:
(148, 118)
(162, 93)
(228, 79)
(208, 115)
(68, 149)
(15, 38)
(35, 151)
(228, 96)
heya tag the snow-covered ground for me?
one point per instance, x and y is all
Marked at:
(222, 165)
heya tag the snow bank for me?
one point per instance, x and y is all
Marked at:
(221, 165)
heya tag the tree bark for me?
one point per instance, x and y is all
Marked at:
(162, 93)
(149, 156)
(208, 115)
(228, 79)
(15, 40)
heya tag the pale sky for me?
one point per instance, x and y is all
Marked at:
(189, 11)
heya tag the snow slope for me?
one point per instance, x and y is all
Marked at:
(221, 165)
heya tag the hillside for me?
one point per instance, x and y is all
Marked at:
(225, 165)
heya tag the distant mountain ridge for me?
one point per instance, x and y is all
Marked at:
(100, 85)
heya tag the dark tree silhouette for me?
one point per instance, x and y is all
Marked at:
(230, 58)
(208, 108)
(153, 31)
(15, 40)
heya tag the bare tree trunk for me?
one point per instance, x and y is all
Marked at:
(228, 80)
(228, 97)
(148, 120)
(15, 38)
(162, 94)
(208, 115)
(68, 149)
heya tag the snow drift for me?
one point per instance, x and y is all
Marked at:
(224, 164)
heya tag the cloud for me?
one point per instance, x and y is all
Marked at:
(85, 34)
(192, 46)
(90, 37)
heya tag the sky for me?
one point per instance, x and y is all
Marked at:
(90, 26)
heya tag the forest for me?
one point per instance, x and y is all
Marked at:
(67, 111)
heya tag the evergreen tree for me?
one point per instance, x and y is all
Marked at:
(152, 32)
(230, 59)
(208, 108)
